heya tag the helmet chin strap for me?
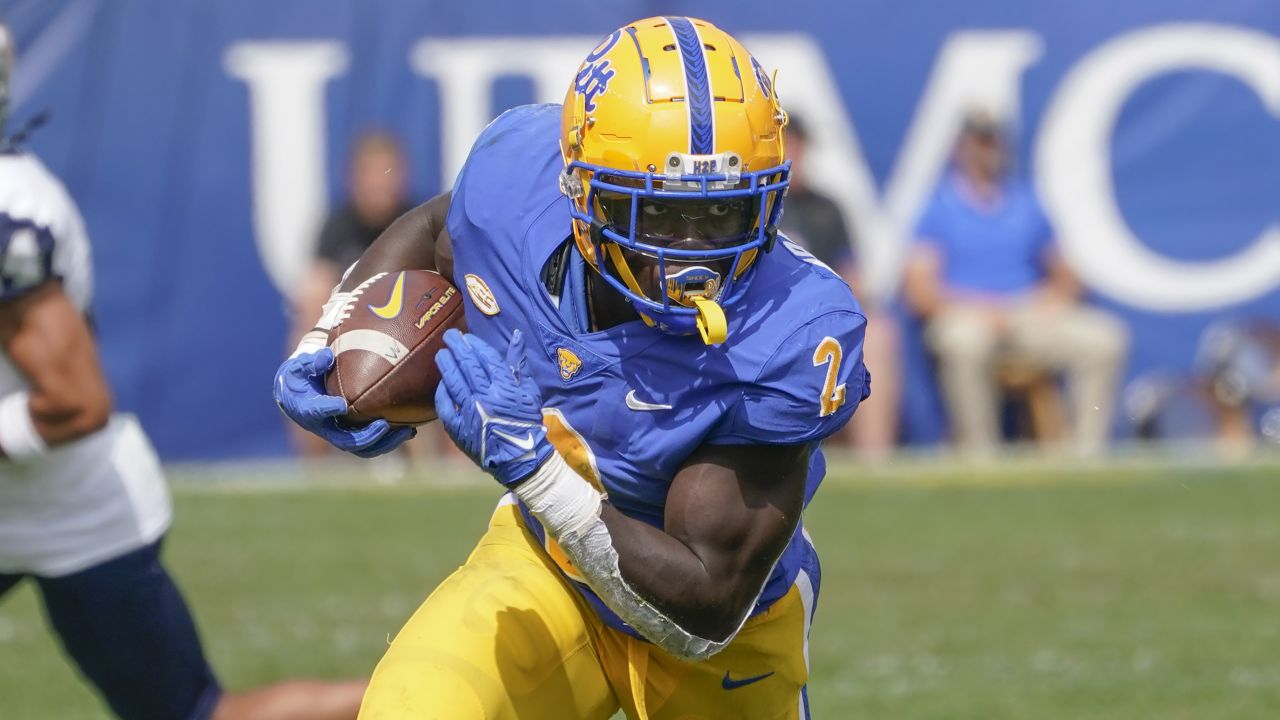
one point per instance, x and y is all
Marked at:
(628, 277)
(712, 325)
(711, 322)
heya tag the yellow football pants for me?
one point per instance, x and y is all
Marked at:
(506, 637)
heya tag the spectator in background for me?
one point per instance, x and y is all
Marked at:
(377, 187)
(813, 221)
(1233, 391)
(810, 218)
(988, 282)
(1238, 369)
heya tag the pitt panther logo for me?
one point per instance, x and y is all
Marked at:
(569, 364)
(595, 74)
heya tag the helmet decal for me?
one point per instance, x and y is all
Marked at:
(595, 74)
(697, 86)
(762, 77)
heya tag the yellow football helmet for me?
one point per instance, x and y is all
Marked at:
(672, 138)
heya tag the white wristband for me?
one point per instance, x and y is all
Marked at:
(559, 497)
(18, 436)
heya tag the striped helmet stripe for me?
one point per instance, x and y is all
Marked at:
(697, 82)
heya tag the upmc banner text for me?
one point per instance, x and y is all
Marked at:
(204, 142)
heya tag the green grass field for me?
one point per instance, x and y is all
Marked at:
(1020, 593)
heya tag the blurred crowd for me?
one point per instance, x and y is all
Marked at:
(1019, 351)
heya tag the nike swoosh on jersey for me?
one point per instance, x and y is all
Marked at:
(635, 404)
(525, 443)
(391, 309)
(729, 683)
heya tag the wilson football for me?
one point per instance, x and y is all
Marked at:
(385, 345)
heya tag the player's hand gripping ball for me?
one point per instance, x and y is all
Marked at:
(377, 378)
(491, 407)
(299, 391)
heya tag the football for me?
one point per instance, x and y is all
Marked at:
(385, 345)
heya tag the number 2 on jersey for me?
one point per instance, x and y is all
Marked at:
(830, 353)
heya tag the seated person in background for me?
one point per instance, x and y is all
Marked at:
(990, 286)
(813, 221)
(377, 179)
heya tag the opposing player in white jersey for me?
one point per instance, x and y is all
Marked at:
(83, 503)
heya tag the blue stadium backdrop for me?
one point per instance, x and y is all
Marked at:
(204, 141)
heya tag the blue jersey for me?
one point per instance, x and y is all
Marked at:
(998, 250)
(628, 405)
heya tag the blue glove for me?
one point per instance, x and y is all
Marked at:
(300, 393)
(491, 407)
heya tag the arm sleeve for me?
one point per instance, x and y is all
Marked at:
(26, 256)
(807, 390)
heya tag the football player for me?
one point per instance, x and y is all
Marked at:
(648, 372)
(83, 502)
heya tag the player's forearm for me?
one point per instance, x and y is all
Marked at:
(411, 242)
(30, 424)
(416, 240)
(688, 603)
(570, 509)
(47, 340)
(64, 419)
(730, 512)
(668, 573)
(69, 398)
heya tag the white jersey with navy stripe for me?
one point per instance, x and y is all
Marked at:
(103, 495)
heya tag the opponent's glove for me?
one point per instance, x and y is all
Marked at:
(491, 407)
(300, 393)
